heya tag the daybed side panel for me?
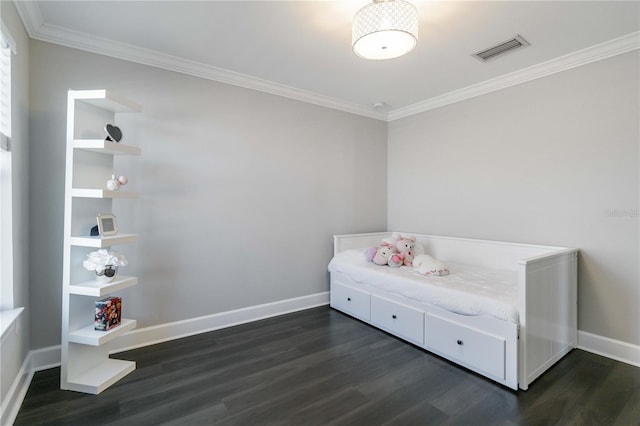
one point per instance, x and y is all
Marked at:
(548, 312)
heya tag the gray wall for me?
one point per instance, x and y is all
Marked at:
(16, 344)
(241, 191)
(553, 161)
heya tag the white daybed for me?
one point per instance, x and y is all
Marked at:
(507, 311)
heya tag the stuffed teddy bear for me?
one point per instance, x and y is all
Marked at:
(427, 265)
(405, 246)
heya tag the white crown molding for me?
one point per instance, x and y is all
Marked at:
(572, 60)
(36, 28)
(115, 49)
(31, 16)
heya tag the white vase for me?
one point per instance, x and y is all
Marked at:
(107, 275)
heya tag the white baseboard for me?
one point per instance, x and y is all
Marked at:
(44, 358)
(610, 348)
(13, 400)
(175, 330)
(36, 360)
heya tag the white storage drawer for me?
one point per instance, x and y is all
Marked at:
(351, 301)
(401, 320)
(473, 348)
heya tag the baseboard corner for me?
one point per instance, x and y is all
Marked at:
(36, 360)
(610, 348)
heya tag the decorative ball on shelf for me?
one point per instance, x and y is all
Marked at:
(113, 184)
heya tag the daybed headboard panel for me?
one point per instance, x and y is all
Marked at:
(356, 241)
(490, 254)
(486, 253)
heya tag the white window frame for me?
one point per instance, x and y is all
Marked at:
(7, 49)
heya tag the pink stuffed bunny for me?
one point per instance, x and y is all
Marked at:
(383, 253)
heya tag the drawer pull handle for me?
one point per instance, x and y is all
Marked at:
(348, 299)
(394, 316)
(460, 342)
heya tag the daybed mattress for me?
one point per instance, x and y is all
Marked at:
(467, 290)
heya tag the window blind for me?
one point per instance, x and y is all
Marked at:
(5, 91)
(7, 48)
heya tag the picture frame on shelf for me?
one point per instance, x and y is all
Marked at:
(107, 224)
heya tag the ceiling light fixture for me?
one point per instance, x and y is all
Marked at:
(385, 29)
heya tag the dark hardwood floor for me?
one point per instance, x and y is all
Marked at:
(321, 367)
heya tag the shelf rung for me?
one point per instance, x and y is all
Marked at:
(102, 193)
(104, 99)
(91, 337)
(101, 376)
(103, 241)
(94, 288)
(103, 146)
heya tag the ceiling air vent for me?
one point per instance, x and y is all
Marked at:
(500, 49)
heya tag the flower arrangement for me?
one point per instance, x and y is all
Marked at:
(99, 261)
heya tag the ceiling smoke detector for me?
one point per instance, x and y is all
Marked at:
(501, 48)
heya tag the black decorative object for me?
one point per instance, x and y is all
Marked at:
(94, 231)
(113, 133)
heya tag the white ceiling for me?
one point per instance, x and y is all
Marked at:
(302, 49)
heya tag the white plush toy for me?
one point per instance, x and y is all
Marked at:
(427, 265)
